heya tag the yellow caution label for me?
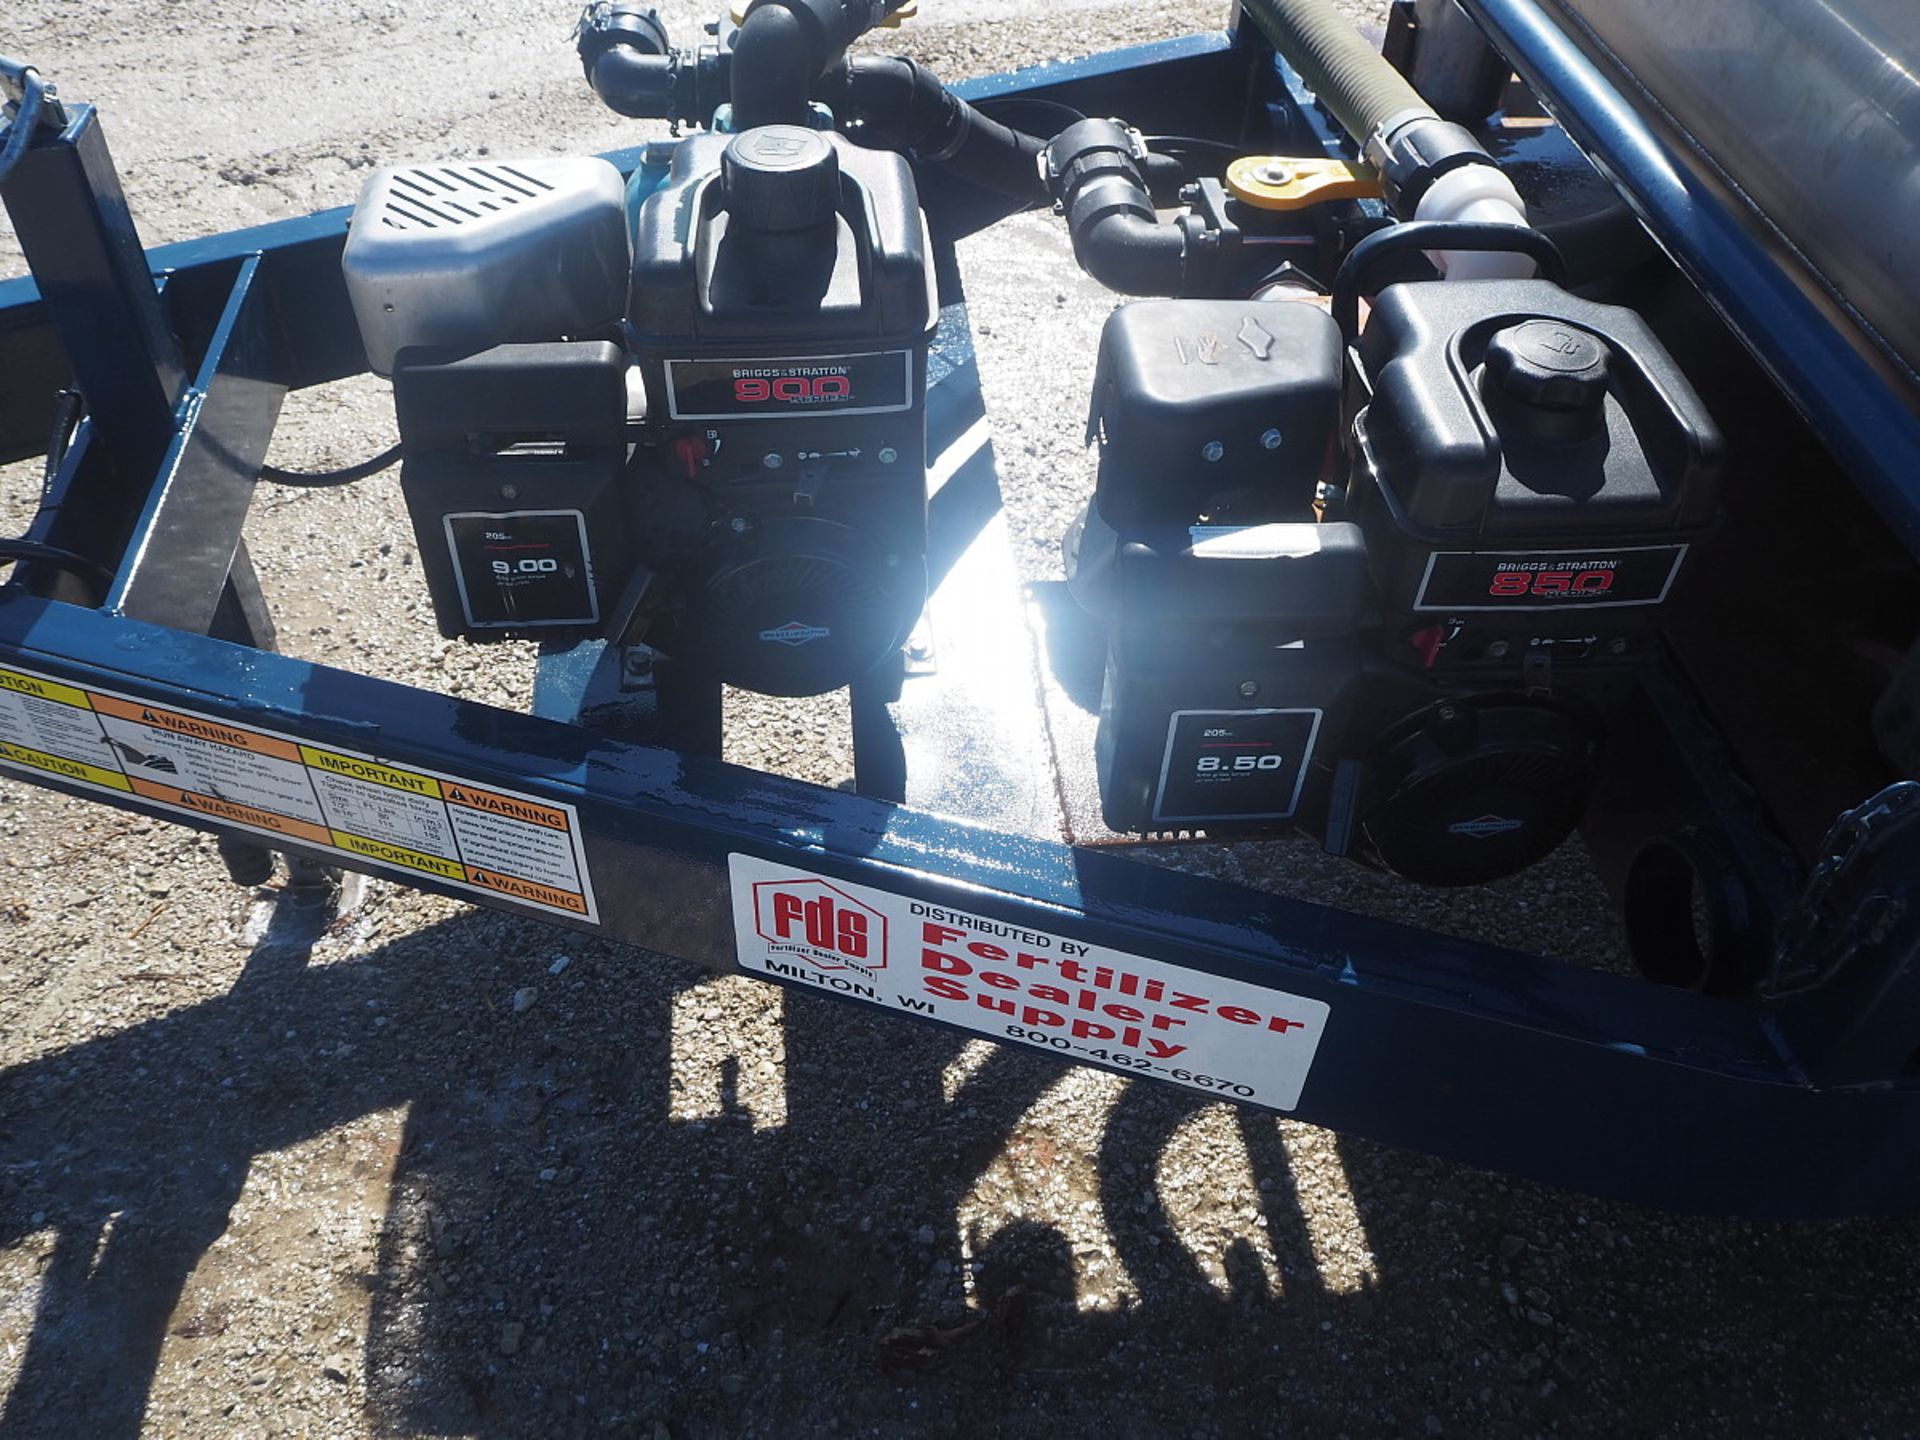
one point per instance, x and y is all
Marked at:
(371, 771)
(60, 765)
(399, 855)
(43, 689)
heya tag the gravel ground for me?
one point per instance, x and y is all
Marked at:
(422, 1169)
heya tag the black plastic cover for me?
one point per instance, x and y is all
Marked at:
(1512, 406)
(1195, 398)
(1310, 579)
(698, 288)
(512, 481)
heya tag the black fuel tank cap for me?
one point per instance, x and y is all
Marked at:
(1549, 363)
(780, 178)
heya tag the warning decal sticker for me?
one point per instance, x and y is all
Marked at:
(1223, 1037)
(478, 838)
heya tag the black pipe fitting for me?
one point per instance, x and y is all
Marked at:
(1097, 173)
(1411, 154)
(784, 46)
(629, 63)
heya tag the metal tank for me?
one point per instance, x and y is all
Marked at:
(1806, 110)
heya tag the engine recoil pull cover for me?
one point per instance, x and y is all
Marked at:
(1475, 790)
(801, 606)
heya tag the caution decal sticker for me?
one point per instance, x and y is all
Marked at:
(1223, 1037)
(480, 838)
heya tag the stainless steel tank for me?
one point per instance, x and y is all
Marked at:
(1808, 111)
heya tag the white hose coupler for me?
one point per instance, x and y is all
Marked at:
(1476, 194)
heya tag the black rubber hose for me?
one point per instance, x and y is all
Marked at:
(325, 479)
(26, 118)
(900, 106)
(33, 552)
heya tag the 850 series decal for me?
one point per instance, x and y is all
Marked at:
(1461, 580)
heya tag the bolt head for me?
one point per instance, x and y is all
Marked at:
(888, 454)
(509, 491)
(1617, 645)
(739, 524)
(1498, 650)
(1212, 451)
(772, 460)
(1249, 689)
(1270, 440)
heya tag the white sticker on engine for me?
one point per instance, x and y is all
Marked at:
(1223, 1037)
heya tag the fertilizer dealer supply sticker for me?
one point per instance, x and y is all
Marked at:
(476, 837)
(1223, 1037)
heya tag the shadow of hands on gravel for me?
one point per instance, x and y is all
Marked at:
(561, 1256)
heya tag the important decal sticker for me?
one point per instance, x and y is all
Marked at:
(1222, 1037)
(480, 838)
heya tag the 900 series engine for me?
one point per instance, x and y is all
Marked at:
(712, 442)
(1411, 643)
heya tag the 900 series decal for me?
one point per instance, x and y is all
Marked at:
(1502, 580)
(815, 385)
(1225, 1038)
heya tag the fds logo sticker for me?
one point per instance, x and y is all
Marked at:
(821, 924)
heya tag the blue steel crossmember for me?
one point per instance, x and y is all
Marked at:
(1801, 1104)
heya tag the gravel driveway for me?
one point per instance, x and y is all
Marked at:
(424, 1169)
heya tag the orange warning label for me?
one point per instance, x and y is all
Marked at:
(511, 806)
(526, 889)
(196, 727)
(233, 810)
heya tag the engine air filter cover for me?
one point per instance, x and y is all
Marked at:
(469, 256)
(1473, 791)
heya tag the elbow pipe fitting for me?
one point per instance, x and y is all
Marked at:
(628, 61)
(639, 86)
(1096, 173)
(784, 46)
(774, 65)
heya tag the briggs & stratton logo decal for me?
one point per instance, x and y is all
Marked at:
(821, 924)
(1486, 825)
(795, 633)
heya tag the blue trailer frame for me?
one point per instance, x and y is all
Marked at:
(1802, 1102)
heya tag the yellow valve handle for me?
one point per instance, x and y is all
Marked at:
(737, 12)
(1277, 182)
